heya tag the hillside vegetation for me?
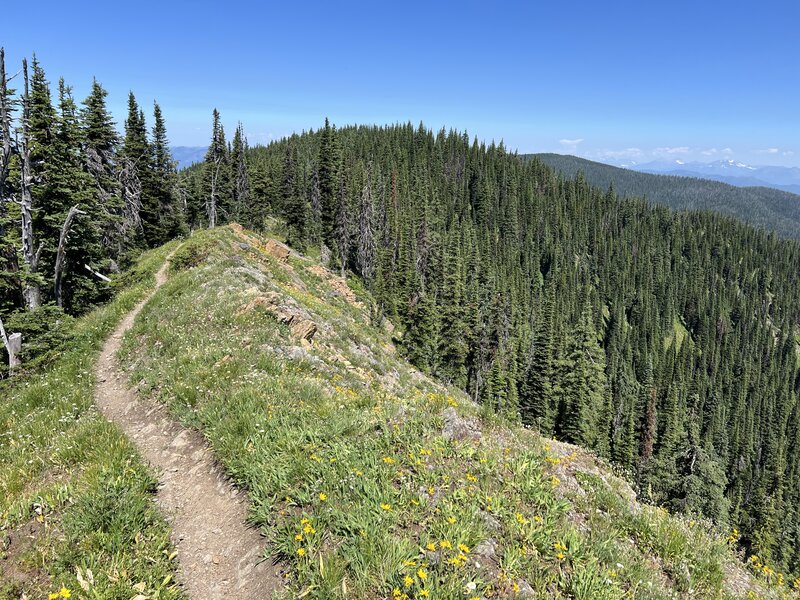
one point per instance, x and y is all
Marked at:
(371, 480)
(76, 515)
(768, 208)
(665, 341)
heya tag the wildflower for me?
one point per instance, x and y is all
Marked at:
(323, 497)
(424, 593)
(299, 537)
(301, 552)
(464, 548)
(408, 581)
(472, 586)
(445, 544)
(309, 529)
(386, 507)
(64, 593)
(388, 460)
(554, 480)
(560, 556)
(431, 547)
(53, 596)
(451, 520)
(452, 402)
(422, 574)
(471, 477)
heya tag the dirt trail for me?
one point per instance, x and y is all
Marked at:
(219, 554)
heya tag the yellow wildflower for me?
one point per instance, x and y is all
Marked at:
(323, 497)
(560, 556)
(451, 520)
(64, 593)
(388, 460)
(422, 574)
(431, 547)
(408, 581)
(464, 548)
(299, 537)
(446, 544)
(424, 593)
(301, 552)
(386, 507)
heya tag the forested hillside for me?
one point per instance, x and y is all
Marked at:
(771, 209)
(665, 341)
(77, 200)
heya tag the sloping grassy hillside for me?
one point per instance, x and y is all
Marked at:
(76, 513)
(370, 480)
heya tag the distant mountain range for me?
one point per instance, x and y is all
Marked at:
(762, 206)
(728, 171)
(186, 156)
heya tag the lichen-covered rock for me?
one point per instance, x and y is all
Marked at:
(303, 329)
(277, 250)
(457, 427)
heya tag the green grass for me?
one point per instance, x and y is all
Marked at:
(340, 447)
(73, 483)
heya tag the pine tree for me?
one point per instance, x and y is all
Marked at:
(134, 164)
(241, 176)
(294, 205)
(584, 384)
(329, 183)
(99, 157)
(171, 219)
(538, 399)
(216, 176)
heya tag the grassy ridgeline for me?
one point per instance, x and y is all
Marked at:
(75, 498)
(341, 447)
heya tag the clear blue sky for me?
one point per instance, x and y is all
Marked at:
(602, 79)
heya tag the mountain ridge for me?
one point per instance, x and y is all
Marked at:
(763, 207)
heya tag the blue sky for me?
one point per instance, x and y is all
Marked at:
(607, 80)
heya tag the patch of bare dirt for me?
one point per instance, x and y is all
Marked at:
(17, 547)
(220, 554)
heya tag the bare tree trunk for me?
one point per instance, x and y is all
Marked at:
(100, 276)
(62, 250)
(13, 344)
(211, 204)
(31, 291)
(5, 129)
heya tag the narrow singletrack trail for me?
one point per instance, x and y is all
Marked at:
(220, 555)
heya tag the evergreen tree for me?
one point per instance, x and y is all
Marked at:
(584, 384)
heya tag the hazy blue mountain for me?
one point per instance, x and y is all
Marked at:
(188, 155)
(762, 206)
(728, 171)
